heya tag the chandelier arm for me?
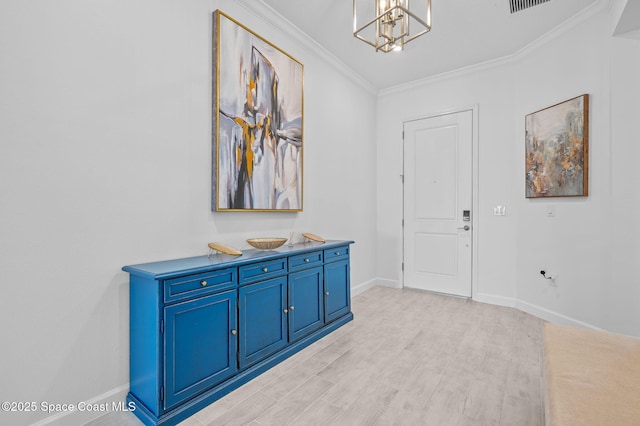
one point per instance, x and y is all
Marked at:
(367, 24)
(416, 17)
(359, 37)
(408, 39)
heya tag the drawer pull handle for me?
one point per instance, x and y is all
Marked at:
(265, 269)
(234, 332)
(337, 253)
(326, 293)
(286, 311)
(306, 260)
(203, 283)
(292, 307)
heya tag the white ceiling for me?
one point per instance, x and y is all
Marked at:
(464, 33)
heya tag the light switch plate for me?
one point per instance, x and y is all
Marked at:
(551, 210)
(499, 211)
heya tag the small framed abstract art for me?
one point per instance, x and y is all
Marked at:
(557, 150)
(257, 122)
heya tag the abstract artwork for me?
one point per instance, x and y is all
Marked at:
(257, 122)
(556, 147)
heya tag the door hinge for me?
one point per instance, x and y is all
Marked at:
(161, 326)
(161, 393)
(402, 178)
(402, 266)
(403, 223)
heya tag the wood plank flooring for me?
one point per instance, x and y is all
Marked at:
(408, 358)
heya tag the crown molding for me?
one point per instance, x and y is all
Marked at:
(447, 75)
(266, 13)
(564, 27)
(577, 19)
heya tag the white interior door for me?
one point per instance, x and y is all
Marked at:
(437, 203)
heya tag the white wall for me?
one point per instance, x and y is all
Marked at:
(105, 128)
(574, 245)
(590, 244)
(621, 294)
(490, 90)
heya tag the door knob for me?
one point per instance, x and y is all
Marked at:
(466, 227)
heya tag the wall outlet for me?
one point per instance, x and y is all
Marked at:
(550, 277)
(551, 210)
(499, 210)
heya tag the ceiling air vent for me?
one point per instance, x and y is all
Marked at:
(518, 5)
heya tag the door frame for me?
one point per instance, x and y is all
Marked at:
(474, 190)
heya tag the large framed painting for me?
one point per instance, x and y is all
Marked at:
(557, 150)
(257, 122)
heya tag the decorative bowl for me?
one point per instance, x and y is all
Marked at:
(266, 243)
(313, 237)
(223, 248)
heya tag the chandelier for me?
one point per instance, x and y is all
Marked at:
(389, 23)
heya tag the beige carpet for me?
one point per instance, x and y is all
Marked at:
(592, 377)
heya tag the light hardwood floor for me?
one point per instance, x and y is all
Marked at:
(408, 358)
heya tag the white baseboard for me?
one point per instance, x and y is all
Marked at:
(91, 409)
(388, 283)
(551, 316)
(532, 309)
(511, 302)
(495, 300)
(361, 288)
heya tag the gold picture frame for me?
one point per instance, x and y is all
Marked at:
(258, 115)
(557, 150)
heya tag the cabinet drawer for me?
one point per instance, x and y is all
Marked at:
(336, 253)
(262, 270)
(199, 284)
(304, 261)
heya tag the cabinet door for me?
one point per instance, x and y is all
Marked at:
(306, 313)
(263, 321)
(337, 290)
(200, 344)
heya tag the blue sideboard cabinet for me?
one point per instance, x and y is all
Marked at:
(202, 326)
